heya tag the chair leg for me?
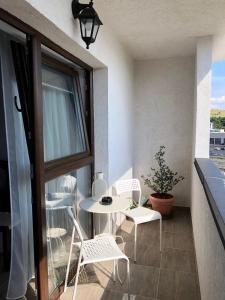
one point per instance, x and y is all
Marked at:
(128, 278)
(51, 261)
(160, 233)
(76, 281)
(135, 242)
(114, 270)
(69, 260)
(79, 264)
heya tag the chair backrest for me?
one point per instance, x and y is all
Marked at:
(76, 225)
(67, 183)
(128, 185)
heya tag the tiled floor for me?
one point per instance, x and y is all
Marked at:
(170, 275)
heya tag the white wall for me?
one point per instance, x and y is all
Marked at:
(101, 120)
(164, 99)
(54, 19)
(202, 97)
(120, 120)
(113, 80)
(208, 246)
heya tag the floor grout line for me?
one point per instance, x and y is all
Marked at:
(160, 264)
(158, 283)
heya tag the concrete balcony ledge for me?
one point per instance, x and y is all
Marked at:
(213, 182)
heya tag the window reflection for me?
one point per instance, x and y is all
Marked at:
(64, 125)
(64, 191)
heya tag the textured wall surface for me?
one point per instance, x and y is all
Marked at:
(113, 80)
(202, 97)
(54, 19)
(164, 99)
(100, 78)
(208, 246)
(159, 29)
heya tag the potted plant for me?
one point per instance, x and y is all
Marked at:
(162, 181)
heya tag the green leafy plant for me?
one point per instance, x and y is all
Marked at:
(163, 179)
(133, 203)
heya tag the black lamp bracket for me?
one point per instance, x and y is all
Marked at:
(77, 7)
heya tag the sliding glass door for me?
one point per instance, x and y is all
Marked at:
(67, 153)
(54, 102)
(17, 219)
(61, 192)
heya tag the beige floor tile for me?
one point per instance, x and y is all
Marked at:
(114, 295)
(176, 285)
(84, 292)
(183, 242)
(183, 227)
(168, 225)
(178, 241)
(186, 286)
(147, 254)
(178, 260)
(166, 287)
(128, 226)
(148, 230)
(96, 292)
(180, 222)
(143, 279)
(126, 235)
(170, 275)
(167, 240)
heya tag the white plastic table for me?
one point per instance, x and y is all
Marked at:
(118, 204)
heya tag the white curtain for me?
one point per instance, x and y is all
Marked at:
(63, 127)
(64, 134)
(22, 258)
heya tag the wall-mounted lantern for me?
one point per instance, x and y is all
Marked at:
(89, 21)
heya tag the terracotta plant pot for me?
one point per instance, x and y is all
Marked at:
(162, 203)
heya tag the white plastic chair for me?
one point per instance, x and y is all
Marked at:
(139, 214)
(99, 249)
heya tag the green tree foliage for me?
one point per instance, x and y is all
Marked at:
(218, 122)
(163, 179)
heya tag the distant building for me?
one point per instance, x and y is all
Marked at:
(217, 136)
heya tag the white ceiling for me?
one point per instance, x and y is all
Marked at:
(162, 28)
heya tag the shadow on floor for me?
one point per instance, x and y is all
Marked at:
(170, 275)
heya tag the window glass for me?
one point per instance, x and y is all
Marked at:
(217, 141)
(64, 191)
(64, 125)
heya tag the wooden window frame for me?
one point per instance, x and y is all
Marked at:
(61, 165)
(43, 172)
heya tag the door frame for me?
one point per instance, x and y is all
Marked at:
(43, 172)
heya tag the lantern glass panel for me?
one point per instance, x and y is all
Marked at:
(86, 27)
(95, 31)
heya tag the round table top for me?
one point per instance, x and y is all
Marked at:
(59, 201)
(117, 205)
(56, 232)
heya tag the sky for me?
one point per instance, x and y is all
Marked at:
(218, 86)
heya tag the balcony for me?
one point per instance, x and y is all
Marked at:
(166, 276)
(145, 82)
